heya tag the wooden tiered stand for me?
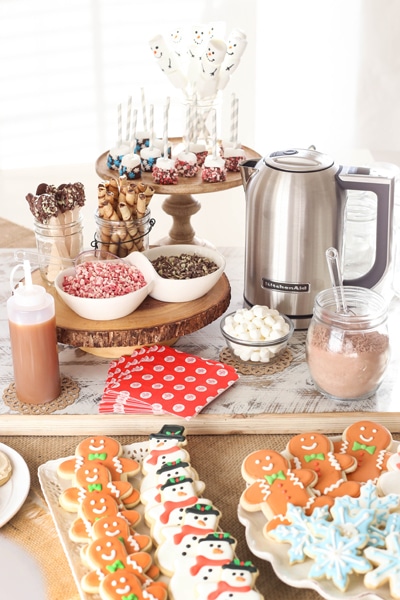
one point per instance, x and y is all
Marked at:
(180, 202)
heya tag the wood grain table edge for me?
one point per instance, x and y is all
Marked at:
(113, 424)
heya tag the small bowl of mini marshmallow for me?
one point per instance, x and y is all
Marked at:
(257, 334)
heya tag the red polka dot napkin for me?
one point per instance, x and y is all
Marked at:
(160, 379)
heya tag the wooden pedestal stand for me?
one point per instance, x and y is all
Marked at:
(180, 203)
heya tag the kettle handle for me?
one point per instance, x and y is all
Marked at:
(359, 178)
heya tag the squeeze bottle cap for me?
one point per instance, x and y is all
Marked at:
(28, 294)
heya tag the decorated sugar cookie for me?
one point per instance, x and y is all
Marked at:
(5, 468)
(180, 540)
(109, 555)
(103, 449)
(387, 565)
(165, 446)
(369, 443)
(176, 494)
(212, 552)
(315, 451)
(179, 468)
(93, 476)
(126, 586)
(273, 484)
(236, 582)
(94, 506)
(118, 526)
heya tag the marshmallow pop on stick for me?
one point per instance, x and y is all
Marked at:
(186, 161)
(117, 153)
(214, 166)
(168, 62)
(195, 146)
(236, 45)
(142, 137)
(150, 154)
(164, 171)
(130, 165)
(232, 150)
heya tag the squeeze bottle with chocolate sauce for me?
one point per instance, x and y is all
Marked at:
(32, 325)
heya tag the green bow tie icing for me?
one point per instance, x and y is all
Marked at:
(118, 564)
(369, 449)
(310, 457)
(95, 487)
(271, 478)
(97, 456)
(130, 597)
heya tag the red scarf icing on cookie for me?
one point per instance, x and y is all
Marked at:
(223, 586)
(203, 561)
(170, 506)
(190, 529)
(154, 454)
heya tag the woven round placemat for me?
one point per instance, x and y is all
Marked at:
(277, 366)
(69, 393)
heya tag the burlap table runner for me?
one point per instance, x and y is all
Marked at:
(217, 460)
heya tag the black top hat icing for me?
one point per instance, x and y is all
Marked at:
(243, 565)
(218, 536)
(169, 466)
(203, 509)
(170, 432)
(176, 480)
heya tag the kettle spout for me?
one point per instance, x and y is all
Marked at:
(247, 169)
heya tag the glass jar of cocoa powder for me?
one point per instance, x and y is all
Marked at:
(348, 351)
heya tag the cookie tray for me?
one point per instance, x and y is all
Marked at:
(52, 486)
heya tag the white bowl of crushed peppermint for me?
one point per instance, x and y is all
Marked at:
(104, 290)
(184, 272)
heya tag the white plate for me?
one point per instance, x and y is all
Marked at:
(13, 493)
(52, 486)
(296, 575)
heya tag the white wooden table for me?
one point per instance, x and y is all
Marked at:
(278, 403)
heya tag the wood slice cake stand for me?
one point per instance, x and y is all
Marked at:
(180, 203)
(153, 322)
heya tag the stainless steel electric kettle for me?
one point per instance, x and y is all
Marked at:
(295, 210)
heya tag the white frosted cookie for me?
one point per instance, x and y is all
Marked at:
(5, 468)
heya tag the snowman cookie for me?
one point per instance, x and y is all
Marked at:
(176, 494)
(179, 468)
(369, 443)
(165, 446)
(237, 580)
(315, 451)
(211, 553)
(198, 521)
(273, 485)
(103, 449)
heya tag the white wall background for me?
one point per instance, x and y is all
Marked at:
(322, 72)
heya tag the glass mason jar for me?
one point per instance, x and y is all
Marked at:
(57, 245)
(347, 353)
(123, 237)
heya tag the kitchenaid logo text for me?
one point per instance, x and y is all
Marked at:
(278, 286)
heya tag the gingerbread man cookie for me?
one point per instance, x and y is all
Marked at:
(103, 449)
(109, 555)
(117, 526)
(273, 485)
(126, 586)
(94, 476)
(315, 451)
(369, 443)
(94, 506)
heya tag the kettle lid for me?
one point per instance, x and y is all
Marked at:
(298, 161)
